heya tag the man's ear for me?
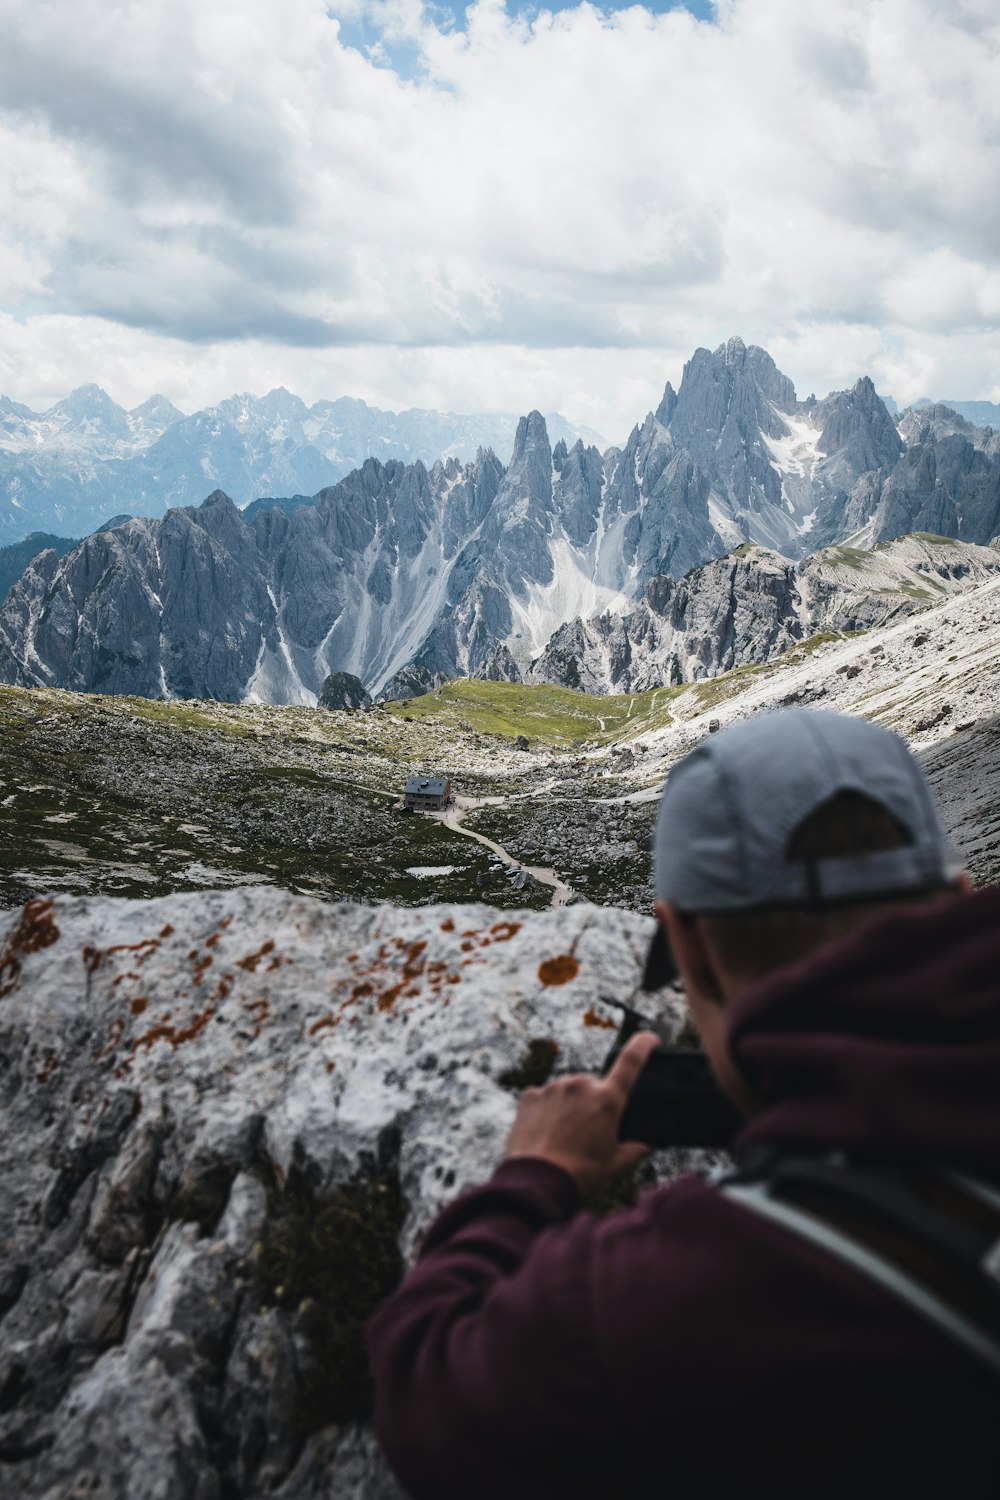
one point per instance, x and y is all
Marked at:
(693, 959)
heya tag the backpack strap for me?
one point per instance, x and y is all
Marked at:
(931, 1239)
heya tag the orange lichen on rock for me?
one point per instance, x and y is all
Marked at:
(139, 1004)
(447, 925)
(591, 1018)
(175, 1035)
(94, 957)
(502, 932)
(201, 966)
(35, 931)
(166, 1031)
(144, 947)
(559, 970)
(414, 954)
(325, 1022)
(167, 931)
(249, 964)
(414, 966)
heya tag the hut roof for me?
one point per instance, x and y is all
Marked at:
(427, 786)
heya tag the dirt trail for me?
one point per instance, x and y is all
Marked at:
(452, 818)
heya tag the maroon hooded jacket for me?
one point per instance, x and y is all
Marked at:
(688, 1346)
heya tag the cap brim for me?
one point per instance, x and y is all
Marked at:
(660, 968)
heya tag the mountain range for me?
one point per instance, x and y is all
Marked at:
(402, 573)
(70, 468)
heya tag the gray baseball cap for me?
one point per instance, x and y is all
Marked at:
(730, 808)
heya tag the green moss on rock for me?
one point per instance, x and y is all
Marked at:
(534, 1068)
(330, 1259)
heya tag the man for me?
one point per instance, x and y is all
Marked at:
(846, 986)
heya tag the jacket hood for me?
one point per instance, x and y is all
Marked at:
(886, 1042)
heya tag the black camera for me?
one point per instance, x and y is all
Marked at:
(676, 1100)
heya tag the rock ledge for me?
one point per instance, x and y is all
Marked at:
(225, 1118)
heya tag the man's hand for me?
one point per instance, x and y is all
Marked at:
(573, 1121)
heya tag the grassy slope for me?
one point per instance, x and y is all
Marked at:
(555, 716)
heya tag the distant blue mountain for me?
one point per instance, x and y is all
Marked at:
(979, 413)
(66, 469)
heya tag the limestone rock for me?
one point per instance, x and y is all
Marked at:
(343, 690)
(224, 1119)
(752, 605)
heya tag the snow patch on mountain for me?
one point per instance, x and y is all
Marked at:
(796, 456)
(574, 590)
(295, 690)
(418, 597)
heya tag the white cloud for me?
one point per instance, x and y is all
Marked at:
(548, 212)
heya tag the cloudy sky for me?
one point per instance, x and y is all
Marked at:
(497, 206)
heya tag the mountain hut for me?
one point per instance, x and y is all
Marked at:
(427, 793)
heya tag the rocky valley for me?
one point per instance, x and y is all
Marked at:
(231, 1099)
(137, 797)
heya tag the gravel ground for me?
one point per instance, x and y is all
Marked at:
(600, 848)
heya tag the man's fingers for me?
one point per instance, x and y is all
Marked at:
(629, 1155)
(630, 1062)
